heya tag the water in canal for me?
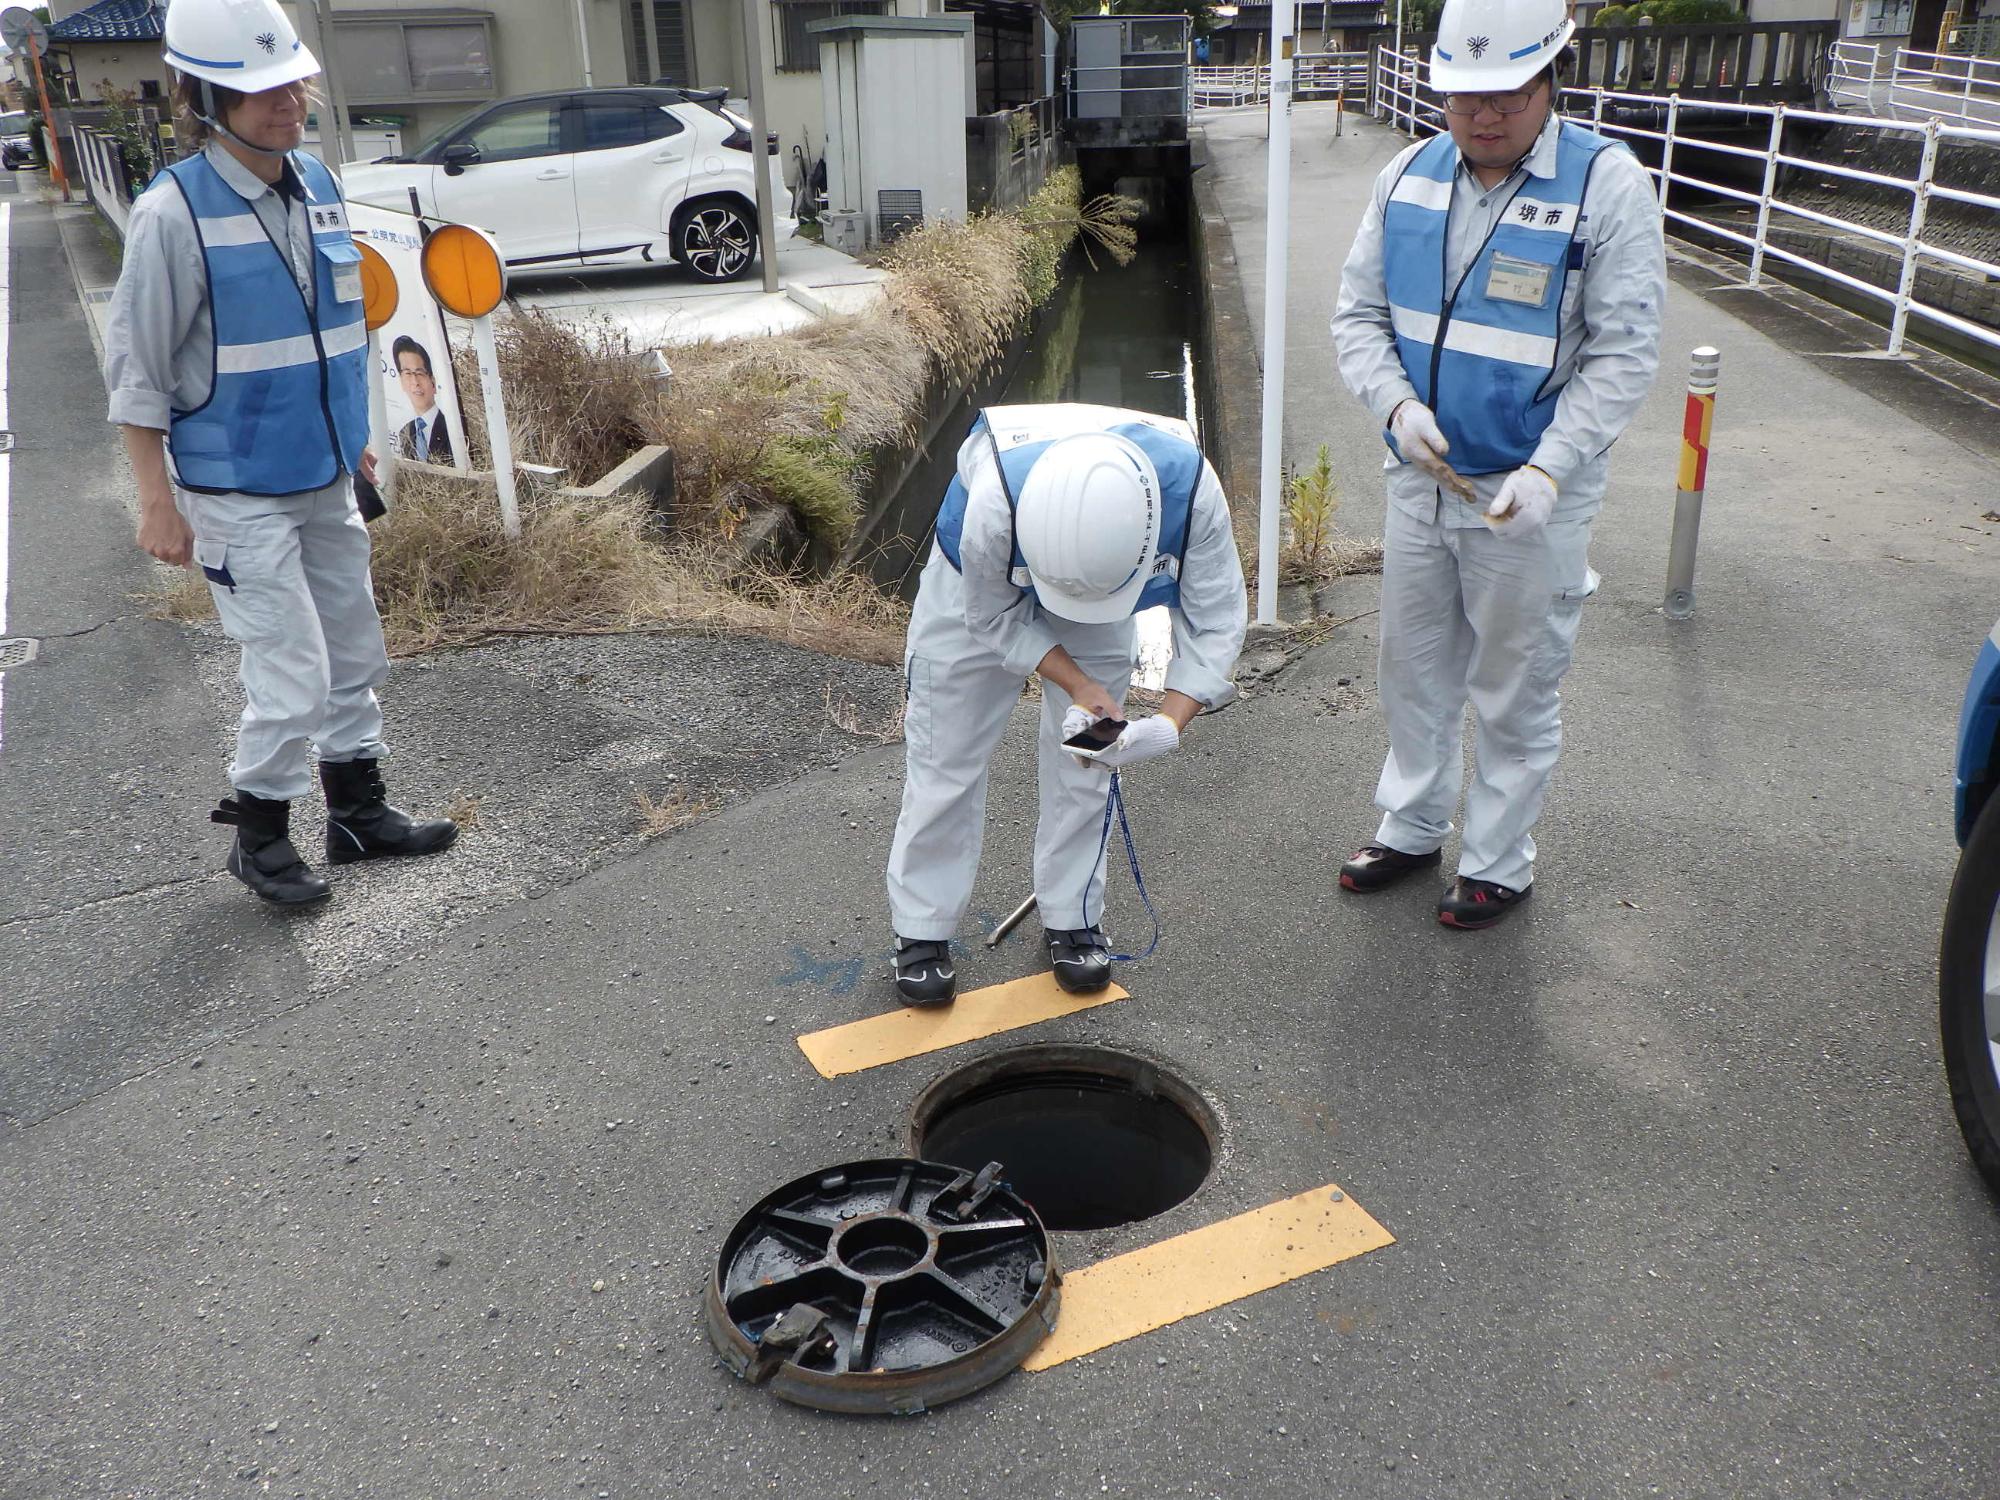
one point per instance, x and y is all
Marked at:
(1112, 336)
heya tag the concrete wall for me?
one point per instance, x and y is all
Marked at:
(995, 178)
(1794, 10)
(125, 64)
(534, 49)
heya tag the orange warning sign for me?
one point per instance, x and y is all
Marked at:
(378, 286)
(463, 269)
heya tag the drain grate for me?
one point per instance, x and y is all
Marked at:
(897, 210)
(17, 651)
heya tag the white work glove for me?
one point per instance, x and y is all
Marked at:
(1076, 721)
(1526, 497)
(1145, 739)
(1420, 441)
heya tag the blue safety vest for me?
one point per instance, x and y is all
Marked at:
(287, 410)
(1177, 461)
(1482, 357)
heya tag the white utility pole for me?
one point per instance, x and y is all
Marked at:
(754, 14)
(1277, 229)
(336, 133)
(583, 44)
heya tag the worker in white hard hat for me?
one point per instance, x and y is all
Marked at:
(1500, 315)
(1063, 522)
(235, 357)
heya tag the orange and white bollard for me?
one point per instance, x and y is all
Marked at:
(1695, 427)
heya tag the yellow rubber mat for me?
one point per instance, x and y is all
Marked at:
(913, 1031)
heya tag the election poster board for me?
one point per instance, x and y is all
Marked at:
(413, 358)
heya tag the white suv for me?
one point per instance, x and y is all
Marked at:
(598, 175)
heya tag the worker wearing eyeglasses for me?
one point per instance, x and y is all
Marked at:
(1500, 315)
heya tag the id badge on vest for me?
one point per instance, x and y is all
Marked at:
(347, 282)
(1523, 282)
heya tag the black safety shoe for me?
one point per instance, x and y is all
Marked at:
(262, 856)
(924, 975)
(1375, 866)
(360, 823)
(1472, 904)
(1081, 959)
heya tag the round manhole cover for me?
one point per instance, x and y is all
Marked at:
(883, 1286)
(1090, 1137)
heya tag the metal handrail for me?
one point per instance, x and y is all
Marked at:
(1402, 96)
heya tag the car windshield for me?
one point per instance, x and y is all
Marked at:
(14, 122)
(439, 137)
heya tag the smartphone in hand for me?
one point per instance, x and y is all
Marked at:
(1094, 739)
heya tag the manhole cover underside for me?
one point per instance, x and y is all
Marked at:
(1090, 1137)
(883, 1286)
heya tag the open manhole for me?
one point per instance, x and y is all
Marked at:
(1089, 1136)
(883, 1286)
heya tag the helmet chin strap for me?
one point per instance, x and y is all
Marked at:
(211, 116)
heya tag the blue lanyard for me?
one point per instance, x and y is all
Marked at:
(1114, 802)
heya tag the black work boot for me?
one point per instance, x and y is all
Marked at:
(1081, 959)
(262, 856)
(1375, 867)
(924, 975)
(360, 823)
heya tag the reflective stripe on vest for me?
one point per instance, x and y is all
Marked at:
(1482, 360)
(1177, 461)
(288, 408)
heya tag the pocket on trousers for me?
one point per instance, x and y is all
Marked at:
(214, 560)
(917, 706)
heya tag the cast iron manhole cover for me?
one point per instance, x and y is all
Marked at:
(883, 1286)
(1091, 1137)
(17, 651)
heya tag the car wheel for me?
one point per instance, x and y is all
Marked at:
(1969, 992)
(716, 242)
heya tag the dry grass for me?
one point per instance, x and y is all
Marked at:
(580, 395)
(446, 574)
(960, 289)
(183, 596)
(658, 815)
(464, 810)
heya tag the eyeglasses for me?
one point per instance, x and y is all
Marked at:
(1467, 105)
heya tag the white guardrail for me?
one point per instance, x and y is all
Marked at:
(1322, 75)
(1403, 97)
(1920, 85)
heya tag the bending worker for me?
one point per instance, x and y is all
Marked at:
(1064, 521)
(235, 359)
(1500, 315)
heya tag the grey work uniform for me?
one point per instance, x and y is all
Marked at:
(1473, 612)
(976, 637)
(289, 573)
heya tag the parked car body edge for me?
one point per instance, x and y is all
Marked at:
(590, 176)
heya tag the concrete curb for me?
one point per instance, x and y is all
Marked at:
(84, 271)
(1231, 381)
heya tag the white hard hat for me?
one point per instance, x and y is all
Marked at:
(246, 45)
(1496, 46)
(1088, 524)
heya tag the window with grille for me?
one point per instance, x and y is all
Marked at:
(385, 60)
(798, 52)
(674, 64)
